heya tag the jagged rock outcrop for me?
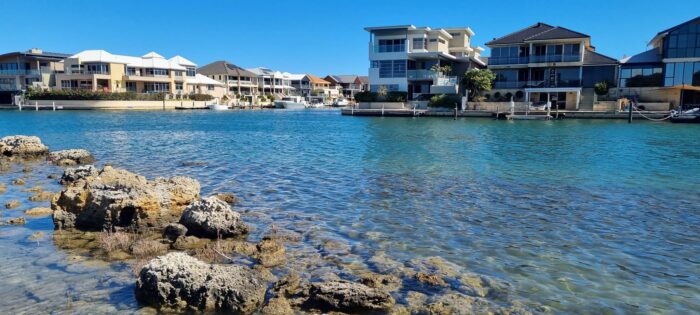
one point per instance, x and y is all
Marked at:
(349, 297)
(178, 281)
(212, 218)
(74, 174)
(71, 157)
(22, 147)
(117, 198)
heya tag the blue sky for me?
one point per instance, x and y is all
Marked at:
(309, 36)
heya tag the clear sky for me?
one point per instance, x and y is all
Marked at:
(310, 36)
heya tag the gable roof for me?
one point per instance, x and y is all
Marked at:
(649, 56)
(592, 58)
(346, 78)
(364, 79)
(225, 67)
(316, 80)
(152, 54)
(200, 79)
(539, 31)
(182, 61)
(150, 60)
(332, 79)
(665, 32)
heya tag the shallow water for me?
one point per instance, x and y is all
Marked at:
(581, 216)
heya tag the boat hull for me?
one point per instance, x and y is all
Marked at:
(217, 107)
(289, 105)
(686, 119)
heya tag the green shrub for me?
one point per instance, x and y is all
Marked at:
(396, 96)
(497, 96)
(89, 95)
(601, 88)
(366, 96)
(519, 95)
(508, 96)
(444, 100)
(201, 97)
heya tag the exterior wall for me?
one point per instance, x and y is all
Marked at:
(380, 105)
(170, 104)
(650, 94)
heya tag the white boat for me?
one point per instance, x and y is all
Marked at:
(291, 102)
(341, 102)
(315, 105)
(217, 107)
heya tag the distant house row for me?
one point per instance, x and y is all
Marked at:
(537, 64)
(99, 70)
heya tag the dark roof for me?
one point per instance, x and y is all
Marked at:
(364, 79)
(592, 58)
(43, 54)
(679, 25)
(649, 56)
(345, 78)
(224, 67)
(539, 31)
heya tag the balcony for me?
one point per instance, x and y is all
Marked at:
(20, 72)
(554, 58)
(8, 87)
(421, 74)
(495, 61)
(535, 84)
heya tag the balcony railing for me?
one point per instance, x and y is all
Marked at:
(535, 84)
(554, 58)
(421, 74)
(20, 72)
(508, 60)
(8, 87)
(446, 81)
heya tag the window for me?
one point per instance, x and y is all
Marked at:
(156, 87)
(156, 72)
(399, 69)
(420, 43)
(683, 42)
(375, 64)
(680, 73)
(540, 50)
(99, 68)
(442, 41)
(131, 71)
(455, 34)
(433, 40)
(392, 68)
(210, 87)
(641, 76)
(191, 72)
(391, 45)
(66, 84)
(390, 87)
(178, 73)
(131, 86)
(385, 68)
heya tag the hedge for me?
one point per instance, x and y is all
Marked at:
(85, 95)
(395, 96)
(201, 97)
(444, 100)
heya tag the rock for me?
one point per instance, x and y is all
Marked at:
(18, 182)
(459, 304)
(118, 198)
(52, 176)
(71, 157)
(27, 169)
(387, 283)
(3, 188)
(211, 218)
(38, 212)
(270, 253)
(34, 189)
(36, 236)
(430, 279)
(22, 147)
(349, 297)
(16, 221)
(12, 204)
(227, 198)
(288, 285)
(277, 306)
(41, 196)
(189, 242)
(74, 174)
(178, 281)
(174, 230)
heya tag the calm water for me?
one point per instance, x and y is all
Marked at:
(581, 216)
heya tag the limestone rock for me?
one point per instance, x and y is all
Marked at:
(12, 204)
(22, 147)
(74, 174)
(349, 297)
(38, 212)
(3, 188)
(17, 221)
(178, 281)
(174, 230)
(71, 157)
(270, 253)
(211, 218)
(277, 306)
(41, 196)
(18, 182)
(227, 198)
(118, 198)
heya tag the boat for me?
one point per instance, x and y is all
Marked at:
(341, 102)
(217, 107)
(291, 102)
(315, 105)
(688, 116)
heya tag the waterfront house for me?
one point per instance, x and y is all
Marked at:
(236, 80)
(667, 73)
(402, 58)
(99, 70)
(202, 84)
(273, 82)
(348, 85)
(32, 68)
(544, 62)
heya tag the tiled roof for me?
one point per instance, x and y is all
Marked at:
(316, 80)
(592, 58)
(224, 67)
(539, 31)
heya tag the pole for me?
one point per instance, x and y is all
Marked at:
(455, 111)
(629, 112)
(36, 105)
(53, 104)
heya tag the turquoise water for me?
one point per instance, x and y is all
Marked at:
(582, 216)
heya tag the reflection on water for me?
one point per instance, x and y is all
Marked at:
(581, 216)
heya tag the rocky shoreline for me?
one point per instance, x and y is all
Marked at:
(191, 253)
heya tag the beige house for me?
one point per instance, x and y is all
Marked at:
(99, 70)
(235, 80)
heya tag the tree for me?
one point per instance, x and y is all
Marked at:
(478, 80)
(601, 88)
(444, 70)
(382, 92)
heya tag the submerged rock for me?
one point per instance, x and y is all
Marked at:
(41, 196)
(36, 236)
(3, 188)
(212, 218)
(74, 174)
(22, 147)
(430, 279)
(227, 198)
(71, 157)
(16, 221)
(118, 198)
(11, 204)
(178, 281)
(270, 253)
(38, 211)
(18, 182)
(345, 296)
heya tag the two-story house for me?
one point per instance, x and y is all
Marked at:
(273, 82)
(544, 62)
(404, 58)
(238, 81)
(669, 72)
(348, 85)
(31, 68)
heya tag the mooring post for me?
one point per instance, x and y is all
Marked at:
(629, 115)
(53, 105)
(382, 110)
(455, 111)
(36, 105)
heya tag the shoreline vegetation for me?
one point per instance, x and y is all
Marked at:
(192, 253)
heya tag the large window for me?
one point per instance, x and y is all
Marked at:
(131, 86)
(641, 76)
(509, 55)
(420, 43)
(680, 73)
(391, 45)
(156, 72)
(392, 68)
(155, 87)
(389, 87)
(191, 72)
(567, 77)
(683, 42)
(99, 68)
